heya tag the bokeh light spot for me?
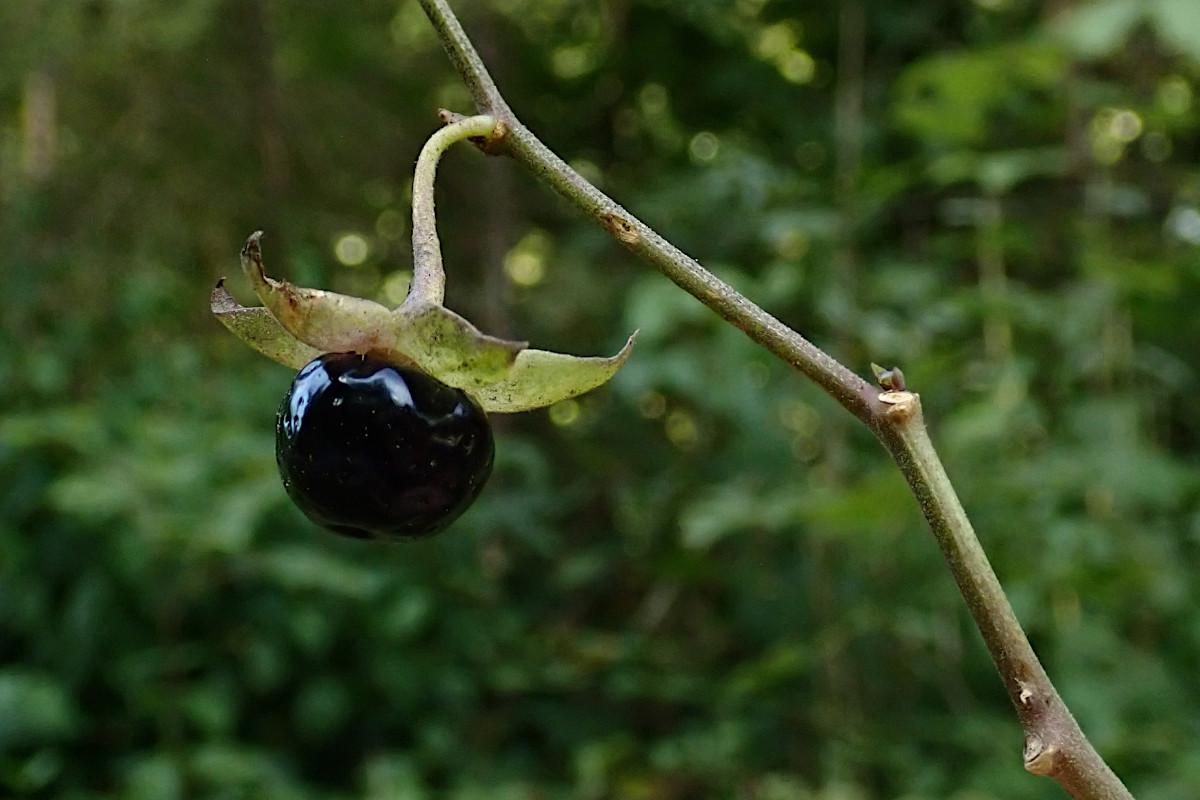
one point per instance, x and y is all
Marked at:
(652, 405)
(704, 146)
(565, 413)
(391, 224)
(1184, 223)
(395, 287)
(682, 430)
(796, 66)
(573, 61)
(1156, 146)
(1125, 126)
(351, 249)
(1174, 95)
(525, 264)
(524, 269)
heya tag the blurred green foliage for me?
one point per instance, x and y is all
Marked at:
(702, 581)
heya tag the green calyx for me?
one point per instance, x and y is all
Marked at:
(295, 325)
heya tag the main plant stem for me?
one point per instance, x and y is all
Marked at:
(429, 276)
(1054, 744)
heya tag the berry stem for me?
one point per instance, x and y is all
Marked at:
(429, 278)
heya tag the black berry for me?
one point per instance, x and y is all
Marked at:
(370, 449)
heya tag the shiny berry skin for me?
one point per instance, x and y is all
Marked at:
(373, 450)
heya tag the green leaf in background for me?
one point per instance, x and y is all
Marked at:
(702, 582)
(1098, 29)
(34, 709)
(1093, 30)
(1175, 22)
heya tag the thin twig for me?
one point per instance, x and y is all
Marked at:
(1054, 744)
